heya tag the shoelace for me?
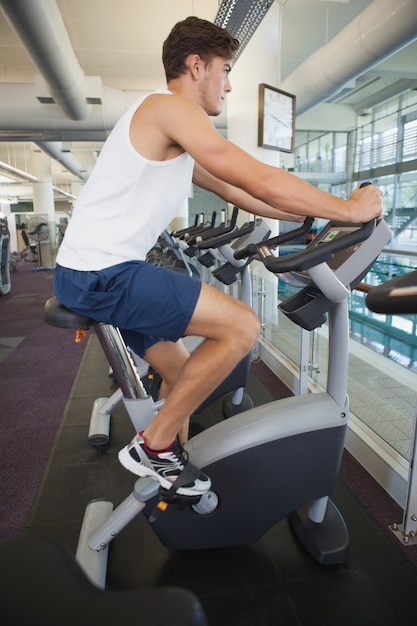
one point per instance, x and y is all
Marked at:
(177, 460)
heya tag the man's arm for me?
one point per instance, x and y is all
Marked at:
(187, 125)
(238, 197)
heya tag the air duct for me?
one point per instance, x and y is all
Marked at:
(380, 30)
(20, 112)
(67, 159)
(39, 25)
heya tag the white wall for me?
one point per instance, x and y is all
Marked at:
(258, 63)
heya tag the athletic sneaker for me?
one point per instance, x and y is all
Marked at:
(165, 466)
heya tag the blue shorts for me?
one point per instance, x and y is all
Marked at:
(147, 303)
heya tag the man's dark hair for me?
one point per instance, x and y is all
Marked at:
(195, 36)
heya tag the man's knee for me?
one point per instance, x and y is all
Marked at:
(254, 327)
(247, 329)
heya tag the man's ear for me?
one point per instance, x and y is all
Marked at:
(195, 65)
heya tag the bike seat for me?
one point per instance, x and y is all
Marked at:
(58, 315)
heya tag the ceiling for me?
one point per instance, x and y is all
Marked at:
(121, 40)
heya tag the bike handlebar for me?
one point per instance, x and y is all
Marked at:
(396, 296)
(252, 248)
(222, 240)
(215, 232)
(312, 255)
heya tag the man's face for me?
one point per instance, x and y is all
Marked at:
(215, 85)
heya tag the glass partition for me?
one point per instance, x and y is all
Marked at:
(277, 330)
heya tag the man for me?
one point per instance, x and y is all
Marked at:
(161, 144)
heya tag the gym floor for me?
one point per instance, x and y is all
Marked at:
(271, 582)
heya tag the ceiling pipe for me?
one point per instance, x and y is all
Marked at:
(5, 167)
(380, 30)
(39, 26)
(400, 86)
(67, 159)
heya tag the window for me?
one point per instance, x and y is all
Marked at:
(410, 141)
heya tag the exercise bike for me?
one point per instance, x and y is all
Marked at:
(57, 591)
(398, 296)
(5, 280)
(169, 249)
(274, 461)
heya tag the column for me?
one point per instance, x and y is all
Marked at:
(43, 204)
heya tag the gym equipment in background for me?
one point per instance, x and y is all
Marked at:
(398, 296)
(5, 280)
(39, 236)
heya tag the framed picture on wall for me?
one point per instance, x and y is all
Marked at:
(276, 121)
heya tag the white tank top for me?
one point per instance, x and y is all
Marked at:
(126, 203)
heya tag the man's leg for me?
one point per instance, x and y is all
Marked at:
(230, 328)
(168, 358)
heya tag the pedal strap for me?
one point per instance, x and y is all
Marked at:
(188, 475)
